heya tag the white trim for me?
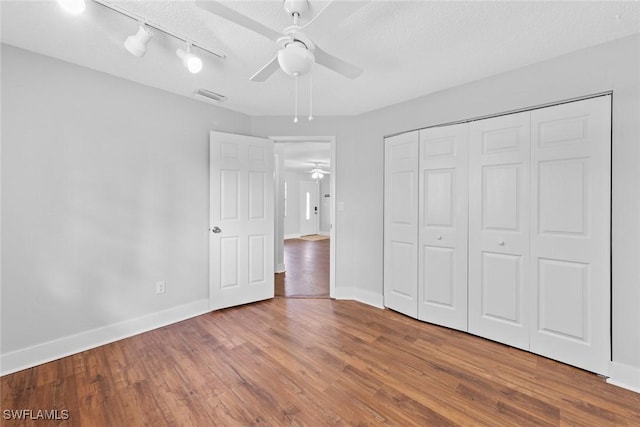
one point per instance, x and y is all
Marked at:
(292, 236)
(324, 233)
(52, 350)
(334, 220)
(280, 268)
(370, 298)
(625, 376)
(366, 297)
(345, 293)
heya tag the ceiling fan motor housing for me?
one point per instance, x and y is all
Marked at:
(296, 7)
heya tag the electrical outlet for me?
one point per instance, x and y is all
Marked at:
(161, 287)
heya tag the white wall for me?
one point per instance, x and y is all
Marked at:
(292, 219)
(325, 205)
(279, 266)
(105, 191)
(612, 66)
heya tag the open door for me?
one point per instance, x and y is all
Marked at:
(241, 192)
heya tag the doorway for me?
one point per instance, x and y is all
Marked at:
(307, 256)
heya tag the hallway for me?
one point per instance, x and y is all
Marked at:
(307, 264)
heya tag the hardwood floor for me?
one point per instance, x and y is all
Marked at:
(314, 362)
(307, 274)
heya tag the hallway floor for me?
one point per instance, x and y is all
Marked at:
(307, 264)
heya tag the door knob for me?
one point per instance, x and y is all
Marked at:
(438, 237)
(501, 242)
(216, 229)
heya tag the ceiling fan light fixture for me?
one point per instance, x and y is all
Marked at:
(189, 60)
(295, 59)
(137, 43)
(74, 7)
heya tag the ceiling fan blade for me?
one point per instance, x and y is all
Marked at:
(266, 71)
(332, 13)
(336, 64)
(219, 9)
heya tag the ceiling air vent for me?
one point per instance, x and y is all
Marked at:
(210, 95)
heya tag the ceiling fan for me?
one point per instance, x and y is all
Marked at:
(317, 172)
(296, 53)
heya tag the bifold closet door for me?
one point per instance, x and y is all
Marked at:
(570, 250)
(443, 210)
(401, 223)
(499, 229)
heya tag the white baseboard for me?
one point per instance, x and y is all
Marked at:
(361, 295)
(280, 268)
(344, 293)
(292, 236)
(52, 350)
(625, 376)
(324, 233)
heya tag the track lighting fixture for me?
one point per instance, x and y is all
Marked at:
(74, 7)
(137, 43)
(192, 62)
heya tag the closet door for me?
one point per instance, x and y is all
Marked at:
(570, 250)
(444, 180)
(499, 229)
(401, 223)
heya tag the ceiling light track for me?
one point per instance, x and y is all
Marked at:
(155, 26)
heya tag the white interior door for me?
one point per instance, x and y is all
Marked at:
(443, 215)
(401, 223)
(499, 229)
(570, 251)
(308, 208)
(241, 219)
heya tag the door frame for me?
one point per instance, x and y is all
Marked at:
(279, 239)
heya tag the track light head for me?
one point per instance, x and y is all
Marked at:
(74, 7)
(192, 62)
(137, 43)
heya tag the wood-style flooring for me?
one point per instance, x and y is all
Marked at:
(314, 362)
(307, 264)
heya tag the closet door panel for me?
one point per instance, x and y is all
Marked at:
(401, 223)
(442, 277)
(570, 248)
(499, 229)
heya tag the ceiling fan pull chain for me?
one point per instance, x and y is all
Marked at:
(310, 96)
(295, 77)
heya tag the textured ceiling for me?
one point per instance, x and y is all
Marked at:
(406, 48)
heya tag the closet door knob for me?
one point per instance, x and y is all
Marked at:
(438, 237)
(501, 242)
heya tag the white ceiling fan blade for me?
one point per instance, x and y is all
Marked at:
(332, 13)
(219, 9)
(336, 64)
(266, 71)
